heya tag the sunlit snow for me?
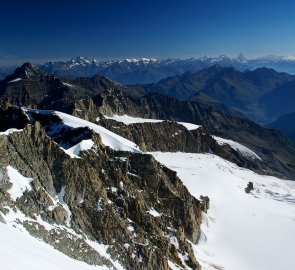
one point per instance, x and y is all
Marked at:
(15, 80)
(109, 138)
(19, 250)
(242, 231)
(127, 120)
(84, 145)
(10, 131)
(20, 184)
(238, 147)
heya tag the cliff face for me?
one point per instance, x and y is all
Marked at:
(126, 201)
(275, 150)
(170, 136)
(163, 136)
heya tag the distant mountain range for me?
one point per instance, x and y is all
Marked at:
(146, 70)
(262, 94)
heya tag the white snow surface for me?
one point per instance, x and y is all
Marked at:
(102, 250)
(189, 126)
(242, 231)
(61, 195)
(154, 213)
(15, 80)
(127, 120)
(109, 138)
(19, 250)
(10, 131)
(19, 183)
(84, 145)
(238, 147)
(67, 84)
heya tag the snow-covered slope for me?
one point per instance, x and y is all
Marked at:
(238, 147)
(242, 231)
(109, 138)
(84, 145)
(19, 250)
(126, 119)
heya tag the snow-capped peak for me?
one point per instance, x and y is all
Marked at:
(81, 61)
(241, 58)
(140, 60)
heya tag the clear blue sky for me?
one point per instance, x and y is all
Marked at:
(41, 30)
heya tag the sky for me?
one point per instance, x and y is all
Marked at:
(39, 31)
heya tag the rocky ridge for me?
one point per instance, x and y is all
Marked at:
(132, 205)
(274, 149)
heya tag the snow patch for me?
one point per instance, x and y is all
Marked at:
(67, 84)
(109, 138)
(61, 195)
(10, 131)
(127, 120)
(84, 145)
(189, 126)
(102, 250)
(20, 184)
(173, 266)
(154, 213)
(238, 147)
(15, 80)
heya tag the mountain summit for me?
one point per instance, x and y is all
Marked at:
(26, 71)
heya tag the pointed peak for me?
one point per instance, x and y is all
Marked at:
(241, 57)
(26, 71)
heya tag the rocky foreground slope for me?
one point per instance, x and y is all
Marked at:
(136, 208)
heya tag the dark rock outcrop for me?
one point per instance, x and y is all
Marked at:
(30, 87)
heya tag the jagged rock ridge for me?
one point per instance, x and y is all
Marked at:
(127, 201)
(274, 149)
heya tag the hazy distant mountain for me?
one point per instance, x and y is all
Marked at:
(5, 71)
(255, 93)
(286, 125)
(146, 70)
(279, 101)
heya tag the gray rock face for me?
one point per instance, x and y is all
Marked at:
(276, 151)
(170, 136)
(163, 136)
(127, 201)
